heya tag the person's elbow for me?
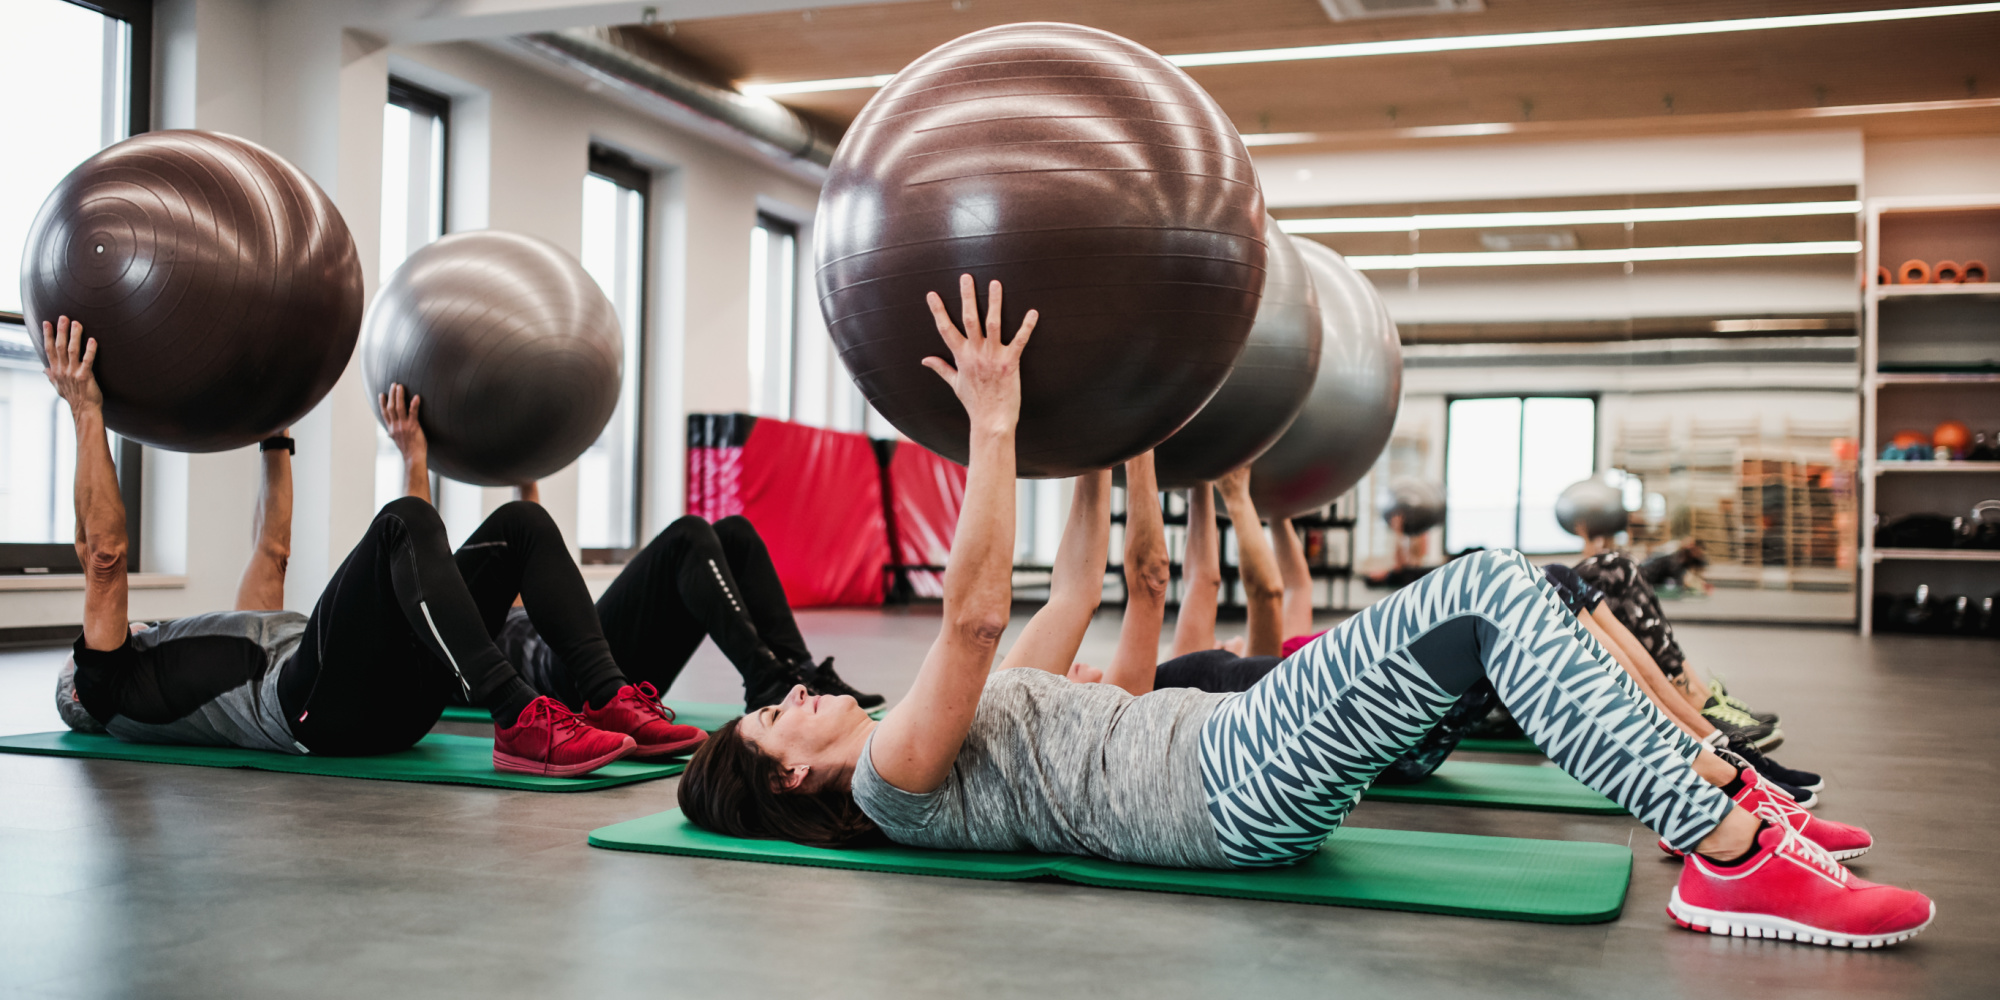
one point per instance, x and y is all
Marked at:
(104, 561)
(276, 553)
(1149, 578)
(1258, 589)
(979, 629)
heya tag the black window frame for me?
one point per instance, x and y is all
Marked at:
(1596, 438)
(416, 97)
(619, 168)
(37, 558)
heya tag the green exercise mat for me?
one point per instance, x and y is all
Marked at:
(1522, 745)
(1500, 786)
(708, 715)
(1551, 881)
(439, 758)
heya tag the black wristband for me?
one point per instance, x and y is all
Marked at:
(277, 441)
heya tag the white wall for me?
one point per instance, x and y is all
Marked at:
(291, 75)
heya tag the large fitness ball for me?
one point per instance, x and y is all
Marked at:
(1418, 502)
(1346, 421)
(219, 281)
(1591, 508)
(513, 347)
(1099, 184)
(1268, 386)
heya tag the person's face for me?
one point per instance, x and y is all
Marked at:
(805, 732)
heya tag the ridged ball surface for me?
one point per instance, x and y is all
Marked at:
(219, 281)
(1267, 388)
(1590, 508)
(1099, 184)
(1419, 502)
(512, 346)
(1346, 421)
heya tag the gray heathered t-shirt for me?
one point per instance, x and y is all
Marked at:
(1065, 768)
(246, 714)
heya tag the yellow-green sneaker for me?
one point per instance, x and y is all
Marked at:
(1720, 692)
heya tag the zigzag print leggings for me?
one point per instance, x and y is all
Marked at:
(1284, 761)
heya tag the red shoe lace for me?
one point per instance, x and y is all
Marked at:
(555, 713)
(648, 698)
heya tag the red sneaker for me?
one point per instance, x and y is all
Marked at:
(1793, 890)
(549, 739)
(1765, 799)
(637, 713)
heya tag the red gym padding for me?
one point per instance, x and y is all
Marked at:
(926, 492)
(815, 495)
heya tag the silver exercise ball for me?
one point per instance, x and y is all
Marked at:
(1268, 386)
(1419, 502)
(1352, 407)
(1592, 508)
(512, 346)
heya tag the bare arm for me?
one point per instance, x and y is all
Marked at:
(529, 491)
(915, 746)
(100, 511)
(1076, 587)
(1147, 573)
(263, 585)
(399, 415)
(1625, 648)
(1263, 588)
(1201, 575)
(1292, 568)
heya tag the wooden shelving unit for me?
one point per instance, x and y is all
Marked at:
(1928, 352)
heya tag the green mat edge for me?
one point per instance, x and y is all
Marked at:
(1584, 801)
(1085, 871)
(1498, 746)
(137, 753)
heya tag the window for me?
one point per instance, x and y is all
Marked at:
(614, 252)
(774, 251)
(88, 66)
(1506, 460)
(415, 146)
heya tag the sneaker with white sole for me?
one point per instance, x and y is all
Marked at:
(1760, 796)
(1790, 889)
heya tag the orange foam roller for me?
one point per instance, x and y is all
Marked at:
(1882, 276)
(1947, 272)
(1975, 272)
(1914, 272)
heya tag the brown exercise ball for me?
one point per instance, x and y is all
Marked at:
(219, 281)
(512, 346)
(1099, 184)
(1268, 386)
(1351, 410)
(1913, 272)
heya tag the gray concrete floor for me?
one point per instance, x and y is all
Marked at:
(121, 879)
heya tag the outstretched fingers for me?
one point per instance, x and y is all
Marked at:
(968, 301)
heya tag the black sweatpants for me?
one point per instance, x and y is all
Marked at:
(402, 626)
(698, 581)
(1223, 672)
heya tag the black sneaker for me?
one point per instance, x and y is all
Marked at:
(1778, 772)
(823, 680)
(1805, 797)
(1738, 725)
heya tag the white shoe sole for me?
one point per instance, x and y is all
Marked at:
(1763, 925)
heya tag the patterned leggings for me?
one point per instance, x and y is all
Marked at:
(1284, 761)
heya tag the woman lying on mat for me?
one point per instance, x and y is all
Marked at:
(1218, 670)
(1189, 778)
(368, 672)
(693, 581)
(1024, 759)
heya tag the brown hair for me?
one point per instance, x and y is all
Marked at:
(733, 788)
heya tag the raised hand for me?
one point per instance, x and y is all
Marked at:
(983, 372)
(1235, 482)
(69, 369)
(399, 416)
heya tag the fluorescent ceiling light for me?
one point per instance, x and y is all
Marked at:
(1571, 36)
(1583, 217)
(1525, 258)
(1466, 43)
(815, 86)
